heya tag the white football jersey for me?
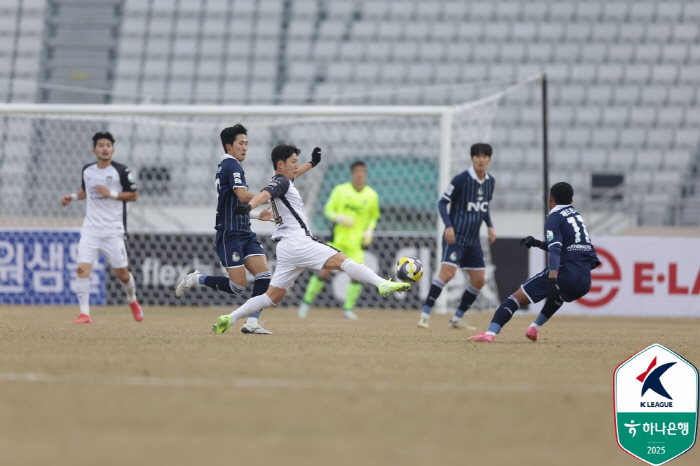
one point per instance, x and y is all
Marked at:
(290, 214)
(105, 216)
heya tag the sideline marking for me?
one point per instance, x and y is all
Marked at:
(148, 381)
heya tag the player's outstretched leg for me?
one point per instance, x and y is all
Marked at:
(252, 325)
(468, 299)
(501, 317)
(362, 273)
(548, 310)
(314, 287)
(251, 306)
(435, 290)
(194, 278)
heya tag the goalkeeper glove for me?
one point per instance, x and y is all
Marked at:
(553, 291)
(367, 238)
(344, 220)
(242, 209)
(316, 156)
(531, 242)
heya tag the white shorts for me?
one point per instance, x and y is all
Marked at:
(113, 248)
(296, 253)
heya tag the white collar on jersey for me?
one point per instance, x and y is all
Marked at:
(559, 207)
(226, 156)
(472, 173)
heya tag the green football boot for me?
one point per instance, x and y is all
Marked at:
(222, 324)
(388, 287)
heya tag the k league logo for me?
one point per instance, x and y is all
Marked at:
(656, 405)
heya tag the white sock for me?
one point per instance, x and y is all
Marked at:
(361, 272)
(129, 289)
(82, 289)
(537, 327)
(252, 320)
(251, 306)
(423, 315)
(490, 333)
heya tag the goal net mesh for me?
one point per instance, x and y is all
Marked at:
(174, 160)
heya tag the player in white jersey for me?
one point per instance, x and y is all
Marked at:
(107, 186)
(297, 248)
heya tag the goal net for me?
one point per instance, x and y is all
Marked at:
(411, 154)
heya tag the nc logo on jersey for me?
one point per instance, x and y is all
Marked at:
(477, 206)
(656, 405)
(236, 257)
(550, 235)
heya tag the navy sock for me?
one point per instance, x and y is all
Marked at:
(262, 281)
(548, 310)
(468, 298)
(222, 284)
(503, 314)
(435, 290)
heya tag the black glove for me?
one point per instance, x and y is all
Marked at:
(553, 291)
(316, 156)
(531, 242)
(242, 209)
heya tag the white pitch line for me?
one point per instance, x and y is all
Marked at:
(290, 384)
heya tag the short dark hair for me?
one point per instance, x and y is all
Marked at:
(563, 193)
(481, 148)
(229, 135)
(283, 152)
(98, 136)
(359, 163)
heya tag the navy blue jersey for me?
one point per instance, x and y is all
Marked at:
(230, 176)
(469, 207)
(564, 228)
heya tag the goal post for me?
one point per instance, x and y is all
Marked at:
(412, 152)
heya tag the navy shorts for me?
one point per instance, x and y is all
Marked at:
(464, 257)
(574, 281)
(234, 247)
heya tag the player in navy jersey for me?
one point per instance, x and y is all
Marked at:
(236, 245)
(469, 193)
(568, 277)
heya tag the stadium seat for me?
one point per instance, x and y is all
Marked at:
(583, 73)
(331, 29)
(578, 32)
(335, 10)
(685, 32)
(454, 11)
(655, 94)
(593, 159)
(364, 30)
(615, 11)
(637, 73)
(562, 11)
(605, 32)
(673, 116)
(445, 31)
(686, 138)
(643, 116)
(633, 137)
(648, 159)
(684, 94)
(677, 159)
(658, 32)
(567, 52)
(593, 52)
(352, 50)
(485, 51)
(689, 74)
(647, 53)
(431, 51)
(622, 159)
(405, 51)
(669, 11)
(540, 52)
(482, 10)
(691, 11)
(588, 116)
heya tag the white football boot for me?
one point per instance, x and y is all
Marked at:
(190, 281)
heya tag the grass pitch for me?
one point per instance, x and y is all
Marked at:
(320, 391)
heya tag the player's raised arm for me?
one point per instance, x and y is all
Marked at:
(315, 160)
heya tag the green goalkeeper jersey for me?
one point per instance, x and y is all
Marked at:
(362, 206)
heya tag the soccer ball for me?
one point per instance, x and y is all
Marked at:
(409, 269)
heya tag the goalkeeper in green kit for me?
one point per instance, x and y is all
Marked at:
(354, 208)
